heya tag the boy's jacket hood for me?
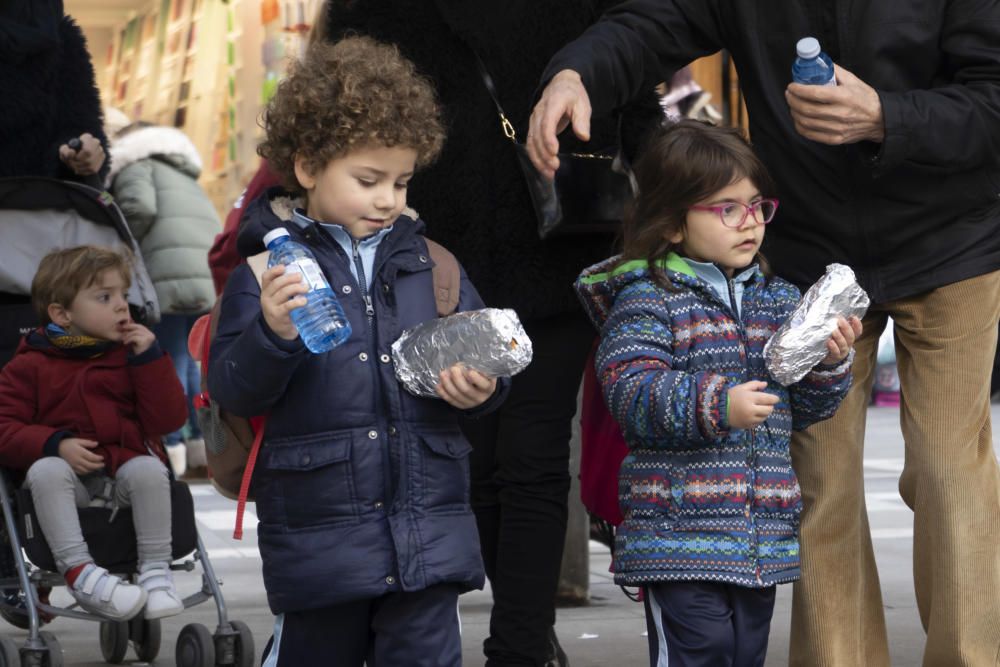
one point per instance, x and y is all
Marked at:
(274, 209)
(598, 285)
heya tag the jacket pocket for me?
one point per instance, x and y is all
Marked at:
(445, 470)
(312, 480)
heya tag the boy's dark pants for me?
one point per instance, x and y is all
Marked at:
(520, 484)
(707, 624)
(419, 629)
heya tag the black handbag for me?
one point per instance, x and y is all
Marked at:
(589, 192)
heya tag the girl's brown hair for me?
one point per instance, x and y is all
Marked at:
(357, 93)
(681, 165)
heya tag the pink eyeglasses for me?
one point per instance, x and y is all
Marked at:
(734, 214)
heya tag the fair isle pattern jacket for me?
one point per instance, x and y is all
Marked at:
(701, 500)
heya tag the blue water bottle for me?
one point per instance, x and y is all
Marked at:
(812, 67)
(321, 322)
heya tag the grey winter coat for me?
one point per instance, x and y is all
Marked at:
(154, 174)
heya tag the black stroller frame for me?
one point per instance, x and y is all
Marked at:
(37, 215)
(231, 644)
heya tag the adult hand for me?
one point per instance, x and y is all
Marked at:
(564, 100)
(843, 114)
(88, 159)
(465, 388)
(138, 336)
(76, 452)
(842, 340)
(749, 404)
(280, 294)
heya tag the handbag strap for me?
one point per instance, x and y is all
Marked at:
(505, 124)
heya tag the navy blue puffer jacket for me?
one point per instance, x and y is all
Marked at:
(362, 489)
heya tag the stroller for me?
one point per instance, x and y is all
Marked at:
(36, 216)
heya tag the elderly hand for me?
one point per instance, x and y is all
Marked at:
(843, 114)
(88, 159)
(564, 100)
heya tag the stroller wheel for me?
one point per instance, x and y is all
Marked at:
(55, 654)
(9, 655)
(243, 651)
(145, 636)
(114, 641)
(195, 647)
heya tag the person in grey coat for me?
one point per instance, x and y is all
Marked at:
(154, 179)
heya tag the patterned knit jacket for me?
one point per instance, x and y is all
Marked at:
(701, 500)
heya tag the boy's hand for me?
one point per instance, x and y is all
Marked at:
(138, 336)
(279, 295)
(842, 340)
(749, 404)
(76, 452)
(465, 388)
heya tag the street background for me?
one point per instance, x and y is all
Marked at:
(610, 631)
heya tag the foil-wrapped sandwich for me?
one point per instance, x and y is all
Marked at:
(491, 341)
(800, 343)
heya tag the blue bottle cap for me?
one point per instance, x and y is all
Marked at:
(807, 48)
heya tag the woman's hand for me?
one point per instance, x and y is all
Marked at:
(280, 294)
(842, 340)
(87, 159)
(465, 388)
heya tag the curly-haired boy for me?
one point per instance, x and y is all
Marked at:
(362, 489)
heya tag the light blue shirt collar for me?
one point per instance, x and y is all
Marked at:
(719, 282)
(366, 247)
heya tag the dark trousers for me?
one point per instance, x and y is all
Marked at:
(418, 629)
(707, 624)
(520, 484)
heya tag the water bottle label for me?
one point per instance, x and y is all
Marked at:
(311, 273)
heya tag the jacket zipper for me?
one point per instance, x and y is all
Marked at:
(752, 455)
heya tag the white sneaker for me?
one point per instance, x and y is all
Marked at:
(196, 453)
(162, 598)
(177, 454)
(108, 595)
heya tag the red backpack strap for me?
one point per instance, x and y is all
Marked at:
(241, 501)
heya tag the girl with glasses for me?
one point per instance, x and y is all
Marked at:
(710, 502)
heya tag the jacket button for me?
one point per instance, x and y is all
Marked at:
(385, 288)
(346, 289)
(385, 358)
(363, 356)
(306, 459)
(390, 580)
(372, 434)
(423, 260)
(379, 505)
(392, 430)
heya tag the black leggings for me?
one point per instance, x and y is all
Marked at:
(520, 484)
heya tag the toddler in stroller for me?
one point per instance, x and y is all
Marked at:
(82, 405)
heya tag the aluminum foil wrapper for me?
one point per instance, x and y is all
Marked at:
(491, 341)
(800, 343)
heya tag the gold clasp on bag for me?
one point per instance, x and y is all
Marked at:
(508, 129)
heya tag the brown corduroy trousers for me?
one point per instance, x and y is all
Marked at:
(945, 342)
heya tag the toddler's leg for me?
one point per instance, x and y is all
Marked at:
(144, 484)
(690, 624)
(57, 493)
(419, 629)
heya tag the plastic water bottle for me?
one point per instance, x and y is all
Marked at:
(321, 322)
(812, 67)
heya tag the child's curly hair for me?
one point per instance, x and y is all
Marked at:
(352, 94)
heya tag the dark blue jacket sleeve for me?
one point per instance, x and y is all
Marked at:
(249, 366)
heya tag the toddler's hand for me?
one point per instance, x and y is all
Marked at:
(76, 452)
(465, 388)
(842, 340)
(749, 404)
(279, 295)
(138, 336)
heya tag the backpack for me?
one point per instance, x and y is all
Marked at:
(232, 442)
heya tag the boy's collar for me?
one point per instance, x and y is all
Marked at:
(340, 230)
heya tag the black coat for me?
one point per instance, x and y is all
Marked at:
(919, 211)
(48, 99)
(474, 198)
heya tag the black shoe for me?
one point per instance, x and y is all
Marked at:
(557, 654)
